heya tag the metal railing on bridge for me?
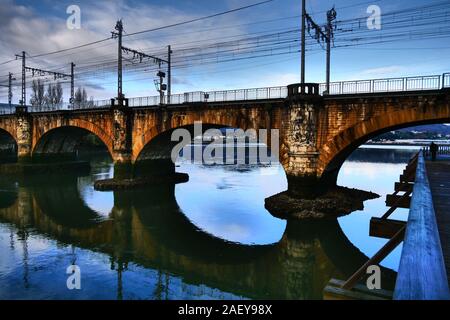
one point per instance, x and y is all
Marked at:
(213, 96)
(418, 83)
(7, 110)
(441, 150)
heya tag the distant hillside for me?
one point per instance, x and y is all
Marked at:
(432, 128)
(434, 131)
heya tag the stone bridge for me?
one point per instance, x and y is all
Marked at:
(317, 133)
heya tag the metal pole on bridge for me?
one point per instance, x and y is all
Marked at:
(10, 80)
(9, 86)
(23, 102)
(72, 85)
(331, 16)
(169, 73)
(118, 35)
(303, 50)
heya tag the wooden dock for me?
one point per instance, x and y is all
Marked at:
(439, 178)
(424, 268)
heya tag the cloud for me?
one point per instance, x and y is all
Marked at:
(379, 72)
(94, 86)
(179, 80)
(25, 28)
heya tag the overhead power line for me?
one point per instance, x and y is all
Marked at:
(199, 19)
(155, 29)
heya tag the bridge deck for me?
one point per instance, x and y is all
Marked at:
(439, 178)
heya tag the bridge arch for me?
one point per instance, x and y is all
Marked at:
(8, 131)
(154, 135)
(334, 153)
(64, 138)
(8, 143)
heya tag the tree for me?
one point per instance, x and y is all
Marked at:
(38, 96)
(58, 94)
(78, 98)
(81, 100)
(84, 97)
(54, 95)
(49, 96)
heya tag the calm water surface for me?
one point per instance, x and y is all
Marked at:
(210, 238)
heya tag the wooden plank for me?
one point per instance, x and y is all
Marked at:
(358, 288)
(439, 178)
(403, 186)
(376, 259)
(398, 201)
(421, 274)
(407, 178)
(336, 293)
(385, 228)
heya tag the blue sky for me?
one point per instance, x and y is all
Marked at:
(40, 26)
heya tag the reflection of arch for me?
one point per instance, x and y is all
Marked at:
(335, 151)
(158, 207)
(7, 198)
(172, 228)
(59, 199)
(68, 134)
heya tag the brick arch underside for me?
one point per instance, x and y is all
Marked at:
(334, 153)
(8, 129)
(72, 134)
(8, 144)
(7, 135)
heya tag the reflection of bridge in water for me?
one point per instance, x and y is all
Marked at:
(146, 227)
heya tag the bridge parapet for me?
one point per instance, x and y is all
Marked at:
(303, 89)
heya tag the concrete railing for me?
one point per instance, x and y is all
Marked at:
(421, 274)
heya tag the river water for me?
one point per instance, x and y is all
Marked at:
(209, 238)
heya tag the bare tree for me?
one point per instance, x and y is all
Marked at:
(49, 96)
(81, 99)
(38, 96)
(54, 95)
(58, 95)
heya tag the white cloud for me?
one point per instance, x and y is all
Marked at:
(377, 72)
